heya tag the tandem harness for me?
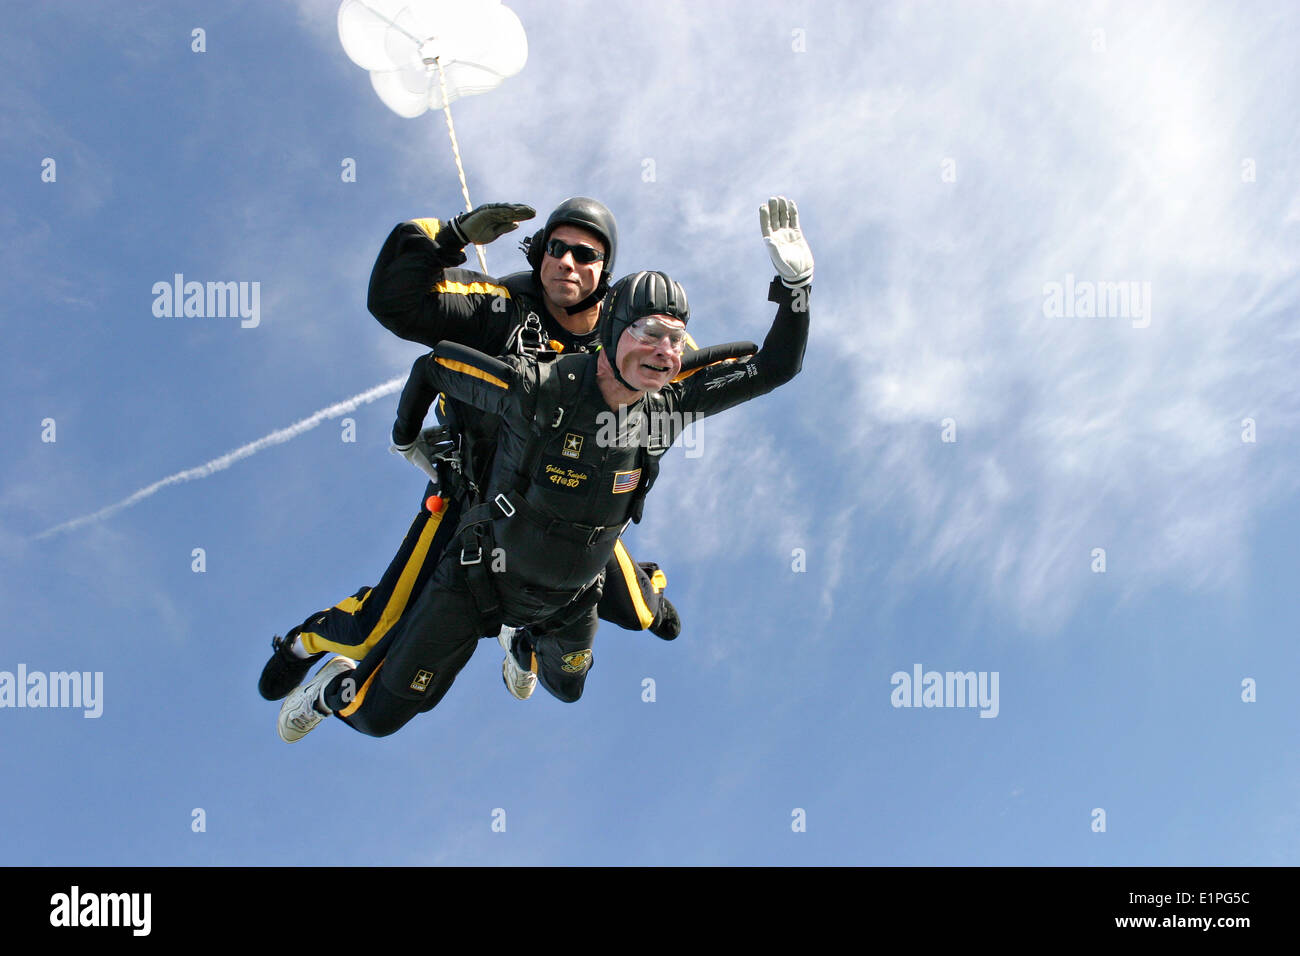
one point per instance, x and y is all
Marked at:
(561, 381)
(466, 463)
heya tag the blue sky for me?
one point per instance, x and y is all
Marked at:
(951, 163)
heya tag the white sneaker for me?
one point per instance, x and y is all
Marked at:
(519, 682)
(298, 713)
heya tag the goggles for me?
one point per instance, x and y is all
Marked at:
(556, 248)
(651, 329)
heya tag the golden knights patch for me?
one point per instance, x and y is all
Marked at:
(576, 662)
(563, 477)
(421, 682)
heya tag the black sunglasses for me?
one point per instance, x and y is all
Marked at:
(556, 248)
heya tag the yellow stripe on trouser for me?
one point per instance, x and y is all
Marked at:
(350, 605)
(314, 643)
(643, 613)
(351, 708)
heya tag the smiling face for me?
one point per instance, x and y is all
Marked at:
(564, 281)
(649, 366)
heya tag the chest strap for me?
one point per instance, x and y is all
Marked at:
(561, 380)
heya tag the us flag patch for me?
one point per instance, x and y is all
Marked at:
(626, 480)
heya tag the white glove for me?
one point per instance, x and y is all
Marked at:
(417, 453)
(779, 220)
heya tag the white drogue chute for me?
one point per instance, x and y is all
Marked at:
(477, 43)
(426, 54)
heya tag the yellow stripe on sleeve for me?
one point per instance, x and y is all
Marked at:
(429, 227)
(466, 369)
(692, 347)
(449, 287)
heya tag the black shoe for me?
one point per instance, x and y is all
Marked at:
(667, 624)
(285, 670)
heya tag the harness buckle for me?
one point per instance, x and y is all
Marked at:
(502, 502)
(595, 533)
(532, 326)
(477, 559)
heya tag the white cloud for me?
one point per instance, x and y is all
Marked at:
(1107, 165)
(1114, 165)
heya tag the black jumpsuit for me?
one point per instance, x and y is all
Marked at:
(417, 293)
(558, 534)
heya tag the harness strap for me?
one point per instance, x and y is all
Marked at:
(555, 527)
(648, 459)
(558, 387)
(476, 547)
(583, 602)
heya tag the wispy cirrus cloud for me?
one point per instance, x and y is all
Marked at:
(952, 169)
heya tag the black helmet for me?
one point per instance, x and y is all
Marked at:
(586, 214)
(634, 297)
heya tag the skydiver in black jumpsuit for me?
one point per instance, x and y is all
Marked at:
(417, 293)
(558, 497)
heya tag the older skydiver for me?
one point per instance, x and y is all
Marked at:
(418, 293)
(558, 494)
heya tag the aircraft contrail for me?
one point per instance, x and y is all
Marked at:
(228, 459)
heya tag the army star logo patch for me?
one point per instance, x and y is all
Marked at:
(572, 445)
(421, 682)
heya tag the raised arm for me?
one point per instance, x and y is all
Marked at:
(417, 293)
(719, 387)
